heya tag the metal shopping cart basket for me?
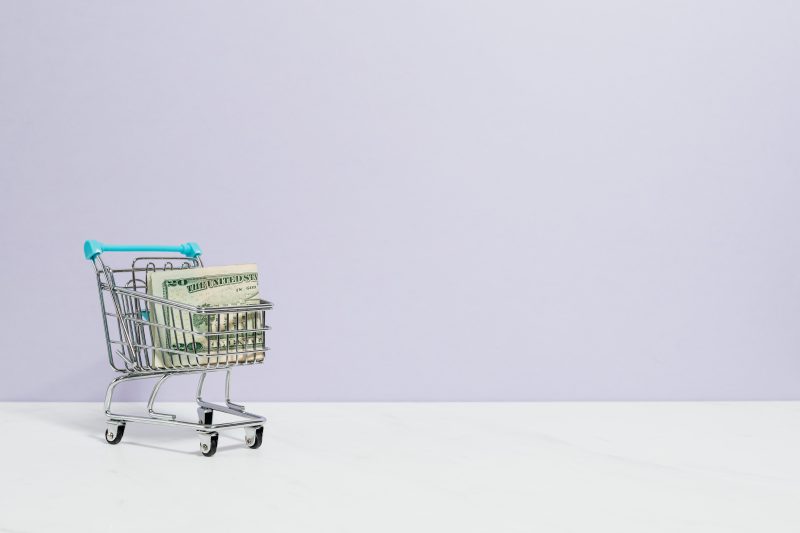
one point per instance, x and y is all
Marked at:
(141, 344)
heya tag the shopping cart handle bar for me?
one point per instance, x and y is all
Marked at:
(92, 249)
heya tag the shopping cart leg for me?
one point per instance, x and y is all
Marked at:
(205, 414)
(203, 411)
(110, 393)
(152, 412)
(228, 402)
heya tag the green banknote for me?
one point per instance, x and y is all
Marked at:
(184, 338)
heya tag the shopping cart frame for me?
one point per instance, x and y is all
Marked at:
(137, 351)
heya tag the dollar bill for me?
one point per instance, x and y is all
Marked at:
(182, 338)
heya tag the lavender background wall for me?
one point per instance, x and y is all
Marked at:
(449, 200)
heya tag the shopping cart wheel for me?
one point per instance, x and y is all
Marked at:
(208, 443)
(114, 433)
(253, 436)
(206, 416)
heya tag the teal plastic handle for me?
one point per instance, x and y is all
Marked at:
(92, 249)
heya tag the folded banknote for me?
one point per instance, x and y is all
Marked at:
(183, 338)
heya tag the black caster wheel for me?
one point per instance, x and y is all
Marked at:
(209, 446)
(207, 417)
(254, 440)
(114, 436)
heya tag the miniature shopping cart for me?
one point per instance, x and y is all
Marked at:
(151, 337)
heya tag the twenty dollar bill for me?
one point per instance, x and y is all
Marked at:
(189, 339)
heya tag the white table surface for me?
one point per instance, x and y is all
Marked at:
(390, 467)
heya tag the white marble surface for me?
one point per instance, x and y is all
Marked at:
(473, 467)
